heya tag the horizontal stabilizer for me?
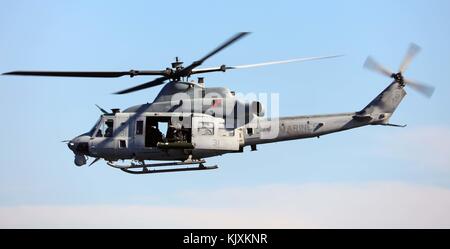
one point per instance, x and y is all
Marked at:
(394, 125)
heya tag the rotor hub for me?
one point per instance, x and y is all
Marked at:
(133, 73)
(398, 77)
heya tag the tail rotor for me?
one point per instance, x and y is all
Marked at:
(412, 52)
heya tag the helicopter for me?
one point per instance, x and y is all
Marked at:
(189, 122)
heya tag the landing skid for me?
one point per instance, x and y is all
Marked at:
(142, 168)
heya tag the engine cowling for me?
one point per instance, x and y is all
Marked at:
(244, 113)
(257, 109)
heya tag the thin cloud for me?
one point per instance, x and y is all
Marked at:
(374, 205)
(428, 146)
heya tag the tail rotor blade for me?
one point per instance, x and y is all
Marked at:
(373, 65)
(413, 50)
(423, 89)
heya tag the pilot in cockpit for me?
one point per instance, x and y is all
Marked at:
(109, 129)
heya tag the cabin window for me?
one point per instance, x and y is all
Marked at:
(250, 131)
(123, 129)
(123, 144)
(139, 127)
(205, 128)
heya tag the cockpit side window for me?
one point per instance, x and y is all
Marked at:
(99, 133)
(106, 128)
(109, 128)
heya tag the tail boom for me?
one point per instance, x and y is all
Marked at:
(377, 112)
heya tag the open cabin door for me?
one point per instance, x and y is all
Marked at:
(210, 133)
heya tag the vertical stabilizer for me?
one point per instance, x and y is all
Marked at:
(384, 105)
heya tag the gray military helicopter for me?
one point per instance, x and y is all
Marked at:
(188, 122)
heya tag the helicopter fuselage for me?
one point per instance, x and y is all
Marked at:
(140, 134)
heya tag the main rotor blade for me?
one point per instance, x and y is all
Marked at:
(112, 74)
(413, 50)
(425, 90)
(224, 45)
(282, 62)
(152, 83)
(373, 65)
(186, 71)
(223, 68)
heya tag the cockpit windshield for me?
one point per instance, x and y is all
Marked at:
(91, 132)
(104, 127)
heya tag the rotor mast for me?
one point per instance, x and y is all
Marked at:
(177, 66)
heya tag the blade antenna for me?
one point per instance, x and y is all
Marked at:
(101, 109)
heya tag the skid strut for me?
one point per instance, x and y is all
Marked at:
(144, 168)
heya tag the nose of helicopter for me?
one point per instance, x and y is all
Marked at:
(79, 145)
(72, 145)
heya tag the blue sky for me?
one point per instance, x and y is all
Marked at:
(36, 169)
